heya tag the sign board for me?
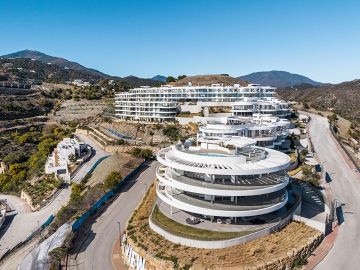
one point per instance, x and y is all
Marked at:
(134, 260)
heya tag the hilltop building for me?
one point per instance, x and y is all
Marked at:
(161, 104)
(232, 182)
(268, 131)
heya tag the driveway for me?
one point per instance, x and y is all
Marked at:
(345, 185)
(96, 250)
(98, 153)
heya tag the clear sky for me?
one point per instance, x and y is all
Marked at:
(316, 38)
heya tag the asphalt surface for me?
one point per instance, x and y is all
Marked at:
(99, 153)
(345, 185)
(97, 248)
(20, 223)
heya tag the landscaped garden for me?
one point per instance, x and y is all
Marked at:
(269, 252)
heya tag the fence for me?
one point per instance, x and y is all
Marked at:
(80, 221)
(31, 236)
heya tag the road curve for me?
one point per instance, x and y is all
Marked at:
(105, 230)
(24, 222)
(345, 186)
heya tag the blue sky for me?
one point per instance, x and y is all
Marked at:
(317, 38)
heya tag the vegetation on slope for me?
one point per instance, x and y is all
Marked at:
(343, 98)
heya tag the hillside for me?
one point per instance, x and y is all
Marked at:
(209, 79)
(59, 61)
(159, 78)
(137, 82)
(27, 70)
(343, 98)
(278, 79)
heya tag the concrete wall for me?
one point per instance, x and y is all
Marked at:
(223, 243)
(311, 223)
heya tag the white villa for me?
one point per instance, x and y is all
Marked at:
(161, 104)
(58, 160)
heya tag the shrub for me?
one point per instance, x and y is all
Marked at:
(172, 132)
(112, 180)
(142, 153)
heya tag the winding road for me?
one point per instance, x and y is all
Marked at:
(344, 182)
(97, 248)
(22, 222)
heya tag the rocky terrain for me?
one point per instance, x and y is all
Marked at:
(343, 98)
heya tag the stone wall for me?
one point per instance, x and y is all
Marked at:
(28, 199)
(280, 263)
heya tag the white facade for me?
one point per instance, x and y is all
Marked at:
(268, 131)
(58, 160)
(232, 179)
(165, 102)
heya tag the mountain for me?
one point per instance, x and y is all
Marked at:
(159, 78)
(278, 78)
(342, 98)
(137, 82)
(24, 70)
(61, 62)
(210, 79)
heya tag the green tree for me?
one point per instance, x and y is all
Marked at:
(112, 180)
(170, 79)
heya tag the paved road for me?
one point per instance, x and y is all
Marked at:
(99, 153)
(25, 222)
(345, 185)
(97, 255)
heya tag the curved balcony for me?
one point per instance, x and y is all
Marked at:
(212, 163)
(258, 186)
(208, 208)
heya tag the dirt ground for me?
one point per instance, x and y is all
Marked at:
(150, 134)
(123, 163)
(75, 110)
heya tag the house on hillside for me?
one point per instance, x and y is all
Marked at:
(68, 151)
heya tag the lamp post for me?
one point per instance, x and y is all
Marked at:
(118, 222)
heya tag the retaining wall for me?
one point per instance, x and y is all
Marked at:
(224, 243)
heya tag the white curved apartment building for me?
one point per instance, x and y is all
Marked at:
(233, 179)
(268, 131)
(164, 103)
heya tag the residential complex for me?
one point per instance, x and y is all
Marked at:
(230, 182)
(268, 131)
(160, 104)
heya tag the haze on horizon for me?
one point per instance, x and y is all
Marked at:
(318, 39)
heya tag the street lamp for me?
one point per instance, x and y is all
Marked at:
(118, 222)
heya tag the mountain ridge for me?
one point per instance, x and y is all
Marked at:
(59, 61)
(277, 78)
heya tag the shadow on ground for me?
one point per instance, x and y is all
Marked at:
(84, 236)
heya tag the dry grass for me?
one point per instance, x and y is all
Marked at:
(271, 249)
(123, 163)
